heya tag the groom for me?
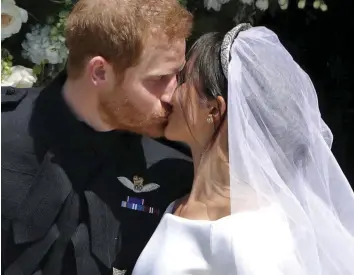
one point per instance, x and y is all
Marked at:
(83, 187)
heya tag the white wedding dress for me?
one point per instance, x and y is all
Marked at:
(279, 148)
(254, 242)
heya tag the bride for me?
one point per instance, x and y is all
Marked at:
(268, 196)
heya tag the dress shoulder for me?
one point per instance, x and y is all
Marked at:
(254, 242)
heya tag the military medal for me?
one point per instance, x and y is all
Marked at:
(137, 204)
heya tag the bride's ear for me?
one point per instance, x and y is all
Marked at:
(218, 108)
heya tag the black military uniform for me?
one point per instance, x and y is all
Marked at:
(77, 201)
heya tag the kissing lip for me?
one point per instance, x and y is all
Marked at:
(168, 108)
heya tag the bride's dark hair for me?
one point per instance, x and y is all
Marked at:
(204, 71)
(205, 74)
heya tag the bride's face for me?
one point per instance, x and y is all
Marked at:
(188, 121)
(198, 103)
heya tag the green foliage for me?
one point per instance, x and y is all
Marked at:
(6, 63)
(183, 2)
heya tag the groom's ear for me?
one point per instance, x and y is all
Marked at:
(218, 108)
(101, 73)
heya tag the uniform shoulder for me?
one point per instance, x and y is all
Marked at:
(19, 162)
(16, 110)
(12, 98)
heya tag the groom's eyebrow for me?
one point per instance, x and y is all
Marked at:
(172, 71)
(179, 69)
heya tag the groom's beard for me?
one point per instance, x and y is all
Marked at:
(120, 114)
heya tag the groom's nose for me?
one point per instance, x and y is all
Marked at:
(170, 89)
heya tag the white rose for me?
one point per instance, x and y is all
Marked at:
(247, 2)
(222, 2)
(323, 7)
(316, 4)
(301, 4)
(212, 4)
(12, 18)
(283, 4)
(20, 77)
(262, 5)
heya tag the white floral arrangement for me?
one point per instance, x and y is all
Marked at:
(20, 77)
(44, 45)
(12, 18)
(15, 76)
(41, 46)
(264, 4)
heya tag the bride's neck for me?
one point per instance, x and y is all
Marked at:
(211, 174)
(197, 153)
(208, 198)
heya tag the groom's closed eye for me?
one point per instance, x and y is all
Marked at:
(161, 79)
(157, 78)
(159, 84)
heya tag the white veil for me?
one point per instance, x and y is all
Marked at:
(281, 148)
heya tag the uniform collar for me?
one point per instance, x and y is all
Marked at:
(53, 122)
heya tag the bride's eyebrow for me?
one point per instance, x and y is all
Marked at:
(181, 75)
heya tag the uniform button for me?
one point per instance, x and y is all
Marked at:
(10, 91)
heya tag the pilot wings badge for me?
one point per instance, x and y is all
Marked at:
(137, 185)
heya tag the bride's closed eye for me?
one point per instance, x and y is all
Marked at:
(181, 77)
